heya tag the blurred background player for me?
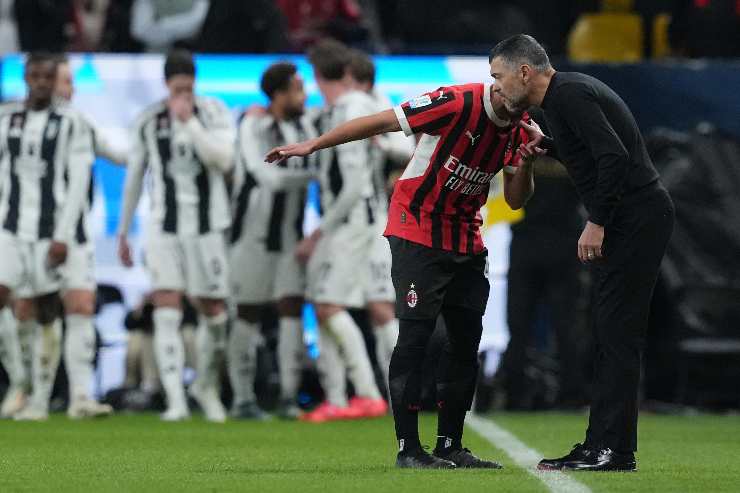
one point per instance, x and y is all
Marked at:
(341, 243)
(396, 150)
(47, 155)
(267, 224)
(187, 144)
(79, 281)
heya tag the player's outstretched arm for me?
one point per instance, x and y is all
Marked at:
(357, 129)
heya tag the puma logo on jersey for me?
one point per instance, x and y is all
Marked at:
(442, 96)
(472, 137)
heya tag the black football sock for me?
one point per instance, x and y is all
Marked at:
(405, 380)
(450, 424)
(407, 430)
(457, 374)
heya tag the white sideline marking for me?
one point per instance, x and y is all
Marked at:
(523, 456)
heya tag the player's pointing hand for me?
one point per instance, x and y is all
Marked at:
(284, 152)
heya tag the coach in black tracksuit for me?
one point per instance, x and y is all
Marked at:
(630, 221)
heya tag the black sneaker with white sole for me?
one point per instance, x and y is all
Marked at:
(420, 459)
(464, 459)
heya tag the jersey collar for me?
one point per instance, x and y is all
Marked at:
(499, 122)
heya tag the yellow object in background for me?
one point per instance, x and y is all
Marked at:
(498, 211)
(606, 37)
(661, 43)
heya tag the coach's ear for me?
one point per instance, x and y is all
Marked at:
(526, 73)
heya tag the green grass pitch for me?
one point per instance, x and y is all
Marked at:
(140, 453)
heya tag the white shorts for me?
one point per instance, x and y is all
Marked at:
(23, 267)
(79, 269)
(259, 276)
(195, 265)
(378, 283)
(337, 270)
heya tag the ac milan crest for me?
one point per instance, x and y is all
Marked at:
(412, 298)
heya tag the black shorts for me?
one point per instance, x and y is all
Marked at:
(428, 279)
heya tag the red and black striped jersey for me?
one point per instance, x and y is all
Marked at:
(463, 144)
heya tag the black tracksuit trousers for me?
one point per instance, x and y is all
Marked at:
(635, 241)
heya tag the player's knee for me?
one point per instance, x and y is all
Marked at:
(325, 311)
(250, 313)
(212, 307)
(290, 307)
(24, 309)
(167, 299)
(414, 336)
(381, 312)
(464, 330)
(4, 296)
(48, 308)
(79, 303)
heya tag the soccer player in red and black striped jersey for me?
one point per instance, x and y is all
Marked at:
(439, 260)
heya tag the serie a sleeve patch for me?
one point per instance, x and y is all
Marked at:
(424, 100)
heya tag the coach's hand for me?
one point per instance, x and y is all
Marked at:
(306, 246)
(124, 252)
(590, 242)
(57, 254)
(284, 152)
(531, 149)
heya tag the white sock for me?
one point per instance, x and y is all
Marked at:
(47, 352)
(210, 341)
(332, 371)
(150, 381)
(10, 350)
(349, 337)
(170, 353)
(386, 336)
(26, 335)
(244, 340)
(290, 351)
(79, 352)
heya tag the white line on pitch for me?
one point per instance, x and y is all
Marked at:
(523, 456)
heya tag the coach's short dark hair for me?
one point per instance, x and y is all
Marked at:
(41, 57)
(277, 77)
(179, 62)
(362, 67)
(61, 58)
(521, 49)
(330, 58)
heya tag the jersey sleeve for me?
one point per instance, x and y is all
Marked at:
(214, 134)
(429, 113)
(79, 163)
(135, 169)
